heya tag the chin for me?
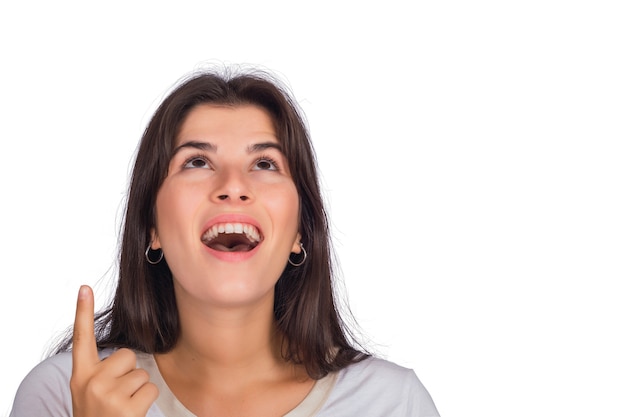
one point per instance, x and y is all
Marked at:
(229, 292)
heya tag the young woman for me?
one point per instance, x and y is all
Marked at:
(224, 305)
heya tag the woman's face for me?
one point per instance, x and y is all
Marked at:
(227, 212)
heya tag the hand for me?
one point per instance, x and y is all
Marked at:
(114, 387)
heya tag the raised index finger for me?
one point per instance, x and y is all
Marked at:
(84, 350)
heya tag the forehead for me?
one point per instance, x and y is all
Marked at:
(217, 124)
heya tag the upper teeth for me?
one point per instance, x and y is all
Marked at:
(250, 231)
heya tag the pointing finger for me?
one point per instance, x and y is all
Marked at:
(84, 351)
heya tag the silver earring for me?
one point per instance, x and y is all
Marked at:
(150, 261)
(303, 257)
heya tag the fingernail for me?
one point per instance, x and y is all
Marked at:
(83, 292)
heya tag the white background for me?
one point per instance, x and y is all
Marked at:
(473, 155)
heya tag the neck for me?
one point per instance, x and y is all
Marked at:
(225, 343)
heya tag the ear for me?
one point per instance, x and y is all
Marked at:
(296, 248)
(155, 243)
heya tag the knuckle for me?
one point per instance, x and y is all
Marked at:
(123, 357)
(142, 374)
(76, 384)
(125, 354)
(153, 390)
(94, 388)
(77, 337)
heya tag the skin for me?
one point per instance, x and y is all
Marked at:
(228, 179)
(228, 358)
(109, 388)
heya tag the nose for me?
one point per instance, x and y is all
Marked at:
(232, 187)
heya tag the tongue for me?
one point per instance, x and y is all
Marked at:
(231, 242)
(241, 247)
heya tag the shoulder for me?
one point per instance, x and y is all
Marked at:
(45, 391)
(376, 387)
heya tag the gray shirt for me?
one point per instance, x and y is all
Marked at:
(371, 388)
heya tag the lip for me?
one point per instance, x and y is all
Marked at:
(232, 218)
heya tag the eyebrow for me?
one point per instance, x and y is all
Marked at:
(203, 146)
(258, 147)
(209, 147)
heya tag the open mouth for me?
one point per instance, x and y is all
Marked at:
(232, 237)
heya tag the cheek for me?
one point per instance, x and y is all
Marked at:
(287, 205)
(173, 207)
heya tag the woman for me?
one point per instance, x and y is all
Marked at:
(224, 304)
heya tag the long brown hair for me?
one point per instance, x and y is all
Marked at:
(143, 315)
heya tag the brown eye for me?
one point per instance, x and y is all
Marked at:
(196, 162)
(265, 164)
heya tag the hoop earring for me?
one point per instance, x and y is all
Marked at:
(303, 257)
(150, 261)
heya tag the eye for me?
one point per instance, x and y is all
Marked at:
(265, 164)
(196, 162)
